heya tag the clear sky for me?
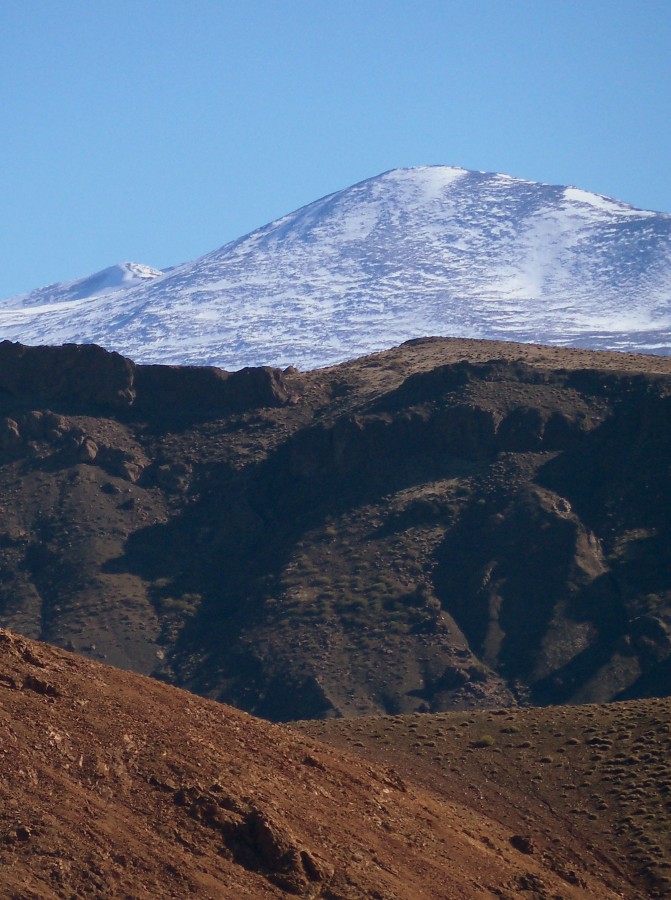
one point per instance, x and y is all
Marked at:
(157, 130)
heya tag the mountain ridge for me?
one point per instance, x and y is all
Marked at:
(451, 524)
(431, 250)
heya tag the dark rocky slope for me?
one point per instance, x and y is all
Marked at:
(445, 525)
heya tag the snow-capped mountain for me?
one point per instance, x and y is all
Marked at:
(109, 281)
(412, 252)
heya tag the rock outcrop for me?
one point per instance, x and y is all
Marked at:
(83, 375)
(89, 378)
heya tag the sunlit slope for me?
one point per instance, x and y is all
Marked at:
(412, 252)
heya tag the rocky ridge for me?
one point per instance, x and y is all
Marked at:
(447, 525)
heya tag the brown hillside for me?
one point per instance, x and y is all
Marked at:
(113, 785)
(448, 525)
(581, 787)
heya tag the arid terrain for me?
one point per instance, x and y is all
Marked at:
(448, 525)
(114, 785)
(451, 557)
(582, 787)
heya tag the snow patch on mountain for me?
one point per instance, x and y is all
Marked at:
(412, 252)
(118, 277)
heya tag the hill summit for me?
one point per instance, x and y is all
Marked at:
(411, 252)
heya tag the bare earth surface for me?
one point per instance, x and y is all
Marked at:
(582, 787)
(113, 785)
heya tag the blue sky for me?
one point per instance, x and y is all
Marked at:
(156, 131)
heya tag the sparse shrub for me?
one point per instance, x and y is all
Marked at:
(187, 604)
(485, 740)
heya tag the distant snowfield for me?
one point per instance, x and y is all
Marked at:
(410, 253)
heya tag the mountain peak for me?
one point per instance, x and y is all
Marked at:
(119, 276)
(408, 253)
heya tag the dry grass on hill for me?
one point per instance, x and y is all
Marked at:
(587, 786)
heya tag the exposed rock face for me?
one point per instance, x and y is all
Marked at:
(86, 376)
(179, 389)
(75, 374)
(10, 436)
(446, 525)
(521, 589)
